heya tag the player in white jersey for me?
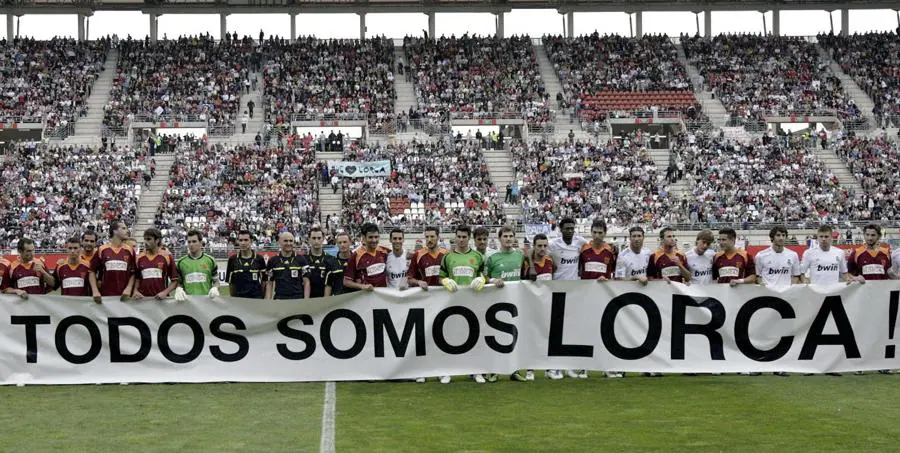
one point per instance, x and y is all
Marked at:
(777, 265)
(397, 262)
(895, 264)
(700, 259)
(632, 262)
(565, 251)
(824, 264)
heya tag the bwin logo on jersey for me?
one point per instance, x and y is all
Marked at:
(397, 276)
(636, 272)
(565, 261)
(702, 273)
(782, 271)
(828, 268)
(510, 274)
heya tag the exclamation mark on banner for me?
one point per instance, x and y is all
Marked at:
(890, 350)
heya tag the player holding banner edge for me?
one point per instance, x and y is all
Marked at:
(506, 265)
(463, 266)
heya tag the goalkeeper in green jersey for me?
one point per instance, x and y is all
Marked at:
(198, 274)
(507, 265)
(463, 266)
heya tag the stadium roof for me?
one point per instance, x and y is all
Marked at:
(394, 6)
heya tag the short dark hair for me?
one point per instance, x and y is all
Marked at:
(464, 229)
(245, 233)
(873, 226)
(342, 233)
(776, 230)
(436, 230)
(89, 232)
(565, 221)
(315, 229)
(113, 226)
(481, 231)
(505, 229)
(825, 229)
(636, 229)
(73, 240)
(662, 232)
(598, 223)
(397, 230)
(727, 231)
(22, 243)
(367, 228)
(539, 237)
(196, 233)
(154, 233)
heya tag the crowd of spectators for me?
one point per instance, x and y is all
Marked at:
(48, 80)
(449, 178)
(768, 181)
(873, 60)
(477, 77)
(189, 78)
(591, 65)
(335, 78)
(876, 164)
(755, 76)
(52, 193)
(617, 180)
(220, 189)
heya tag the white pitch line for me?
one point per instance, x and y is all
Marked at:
(327, 444)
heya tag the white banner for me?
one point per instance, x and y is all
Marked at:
(374, 169)
(388, 334)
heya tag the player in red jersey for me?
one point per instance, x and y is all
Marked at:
(667, 263)
(597, 260)
(425, 265)
(365, 271)
(731, 265)
(89, 246)
(28, 275)
(155, 272)
(72, 272)
(4, 273)
(541, 263)
(871, 262)
(113, 265)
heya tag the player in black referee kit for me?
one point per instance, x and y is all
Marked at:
(323, 269)
(246, 271)
(285, 271)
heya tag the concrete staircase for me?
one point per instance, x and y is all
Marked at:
(255, 124)
(151, 198)
(661, 158)
(330, 202)
(88, 128)
(500, 167)
(839, 168)
(564, 121)
(406, 92)
(713, 108)
(860, 97)
(326, 156)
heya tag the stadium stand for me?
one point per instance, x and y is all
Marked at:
(478, 77)
(57, 192)
(872, 60)
(193, 78)
(755, 76)
(443, 183)
(776, 182)
(876, 164)
(48, 80)
(617, 180)
(221, 189)
(604, 76)
(328, 78)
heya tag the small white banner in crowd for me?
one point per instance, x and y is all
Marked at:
(616, 326)
(374, 169)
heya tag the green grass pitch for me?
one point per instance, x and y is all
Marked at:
(635, 414)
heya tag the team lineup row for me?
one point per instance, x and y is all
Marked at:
(116, 269)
